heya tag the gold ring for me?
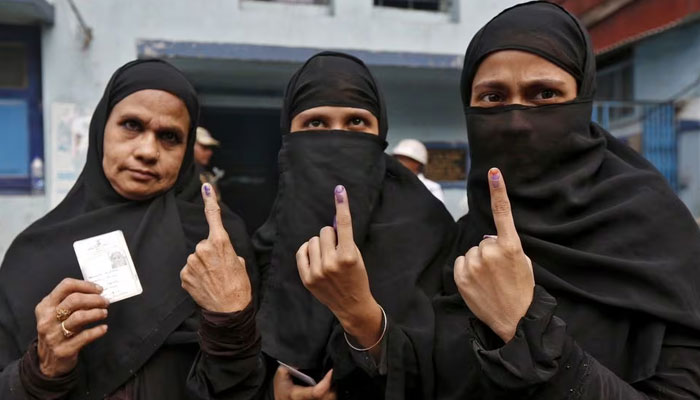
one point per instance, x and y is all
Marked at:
(66, 332)
(62, 314)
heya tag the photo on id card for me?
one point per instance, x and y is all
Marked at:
(106, 261)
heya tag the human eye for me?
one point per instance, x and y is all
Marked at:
(315, 123)
(170, 137)
(132, 124)
(492, 98)
(547, 94)
(358, 122)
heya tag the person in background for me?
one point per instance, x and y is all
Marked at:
(203, 151)
(414, 156)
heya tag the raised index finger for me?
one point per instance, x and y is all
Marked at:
(212, 212)
(500, 207)
(343, 218)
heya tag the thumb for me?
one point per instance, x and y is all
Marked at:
(343, 219)
(324, 386)
(212, 212)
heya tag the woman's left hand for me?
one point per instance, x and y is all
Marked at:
(332, 269)
(495, 279)
(285, 389)
(215, 276)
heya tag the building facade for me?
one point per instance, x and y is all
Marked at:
(648, 58)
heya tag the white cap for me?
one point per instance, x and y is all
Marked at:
(204, 138)
(411, 148)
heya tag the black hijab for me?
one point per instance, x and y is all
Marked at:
(160, 232)
(398, 225)
(606, 234)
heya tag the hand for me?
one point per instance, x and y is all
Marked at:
(76, 303)
(285, 389)
(215, 276)
(495, 279)
(332, 269)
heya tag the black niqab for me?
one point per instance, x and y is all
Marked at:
(160, 232)
(607, 236)
(401, 229)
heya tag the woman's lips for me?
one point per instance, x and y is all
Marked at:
(142, 175)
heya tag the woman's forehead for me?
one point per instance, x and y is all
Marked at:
(520, 65)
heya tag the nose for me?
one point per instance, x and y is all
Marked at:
(147, 150)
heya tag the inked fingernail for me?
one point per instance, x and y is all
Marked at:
(490, 237)
(207, 189)
(340, 193)
(495, 177)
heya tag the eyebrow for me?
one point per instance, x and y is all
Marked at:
(490, 84)
(497, 84)
(167, 128)
(546, 82)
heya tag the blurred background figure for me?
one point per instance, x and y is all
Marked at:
(203, 150)
(204, 147)
(414, 156)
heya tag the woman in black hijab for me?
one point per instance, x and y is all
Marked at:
(138, 178)
(334, 127)
(581, 280)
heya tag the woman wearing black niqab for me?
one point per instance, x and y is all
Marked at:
(589, 237)
(152, 342)
(401, 230)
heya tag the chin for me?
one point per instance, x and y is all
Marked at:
(138, 192)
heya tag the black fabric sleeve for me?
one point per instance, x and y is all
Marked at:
(229, 365)
(543, 362)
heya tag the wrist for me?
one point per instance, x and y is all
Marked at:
(235, 303)
(364, 323)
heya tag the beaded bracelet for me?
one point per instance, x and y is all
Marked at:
(384, 323)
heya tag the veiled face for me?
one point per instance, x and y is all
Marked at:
(336, 118)
(517, 77)
(145, 141)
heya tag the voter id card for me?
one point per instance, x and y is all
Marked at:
(298, 374)
(106, 261)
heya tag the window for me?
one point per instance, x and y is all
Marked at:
(21, 138)
(615, 82)
(429, 5)
(320, 2)
(13, 69)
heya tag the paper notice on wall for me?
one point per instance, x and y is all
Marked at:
(69, 143)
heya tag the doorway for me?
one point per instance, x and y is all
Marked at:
(250, 140)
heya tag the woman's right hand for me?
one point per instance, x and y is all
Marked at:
(75, 304)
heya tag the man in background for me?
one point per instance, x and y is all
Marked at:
(414, 156)
(203, 150)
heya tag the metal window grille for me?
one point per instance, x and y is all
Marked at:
(652, 124)
(319, 2)
(428, 5)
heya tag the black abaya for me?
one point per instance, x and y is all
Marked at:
(152, 338)
(402, 231)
